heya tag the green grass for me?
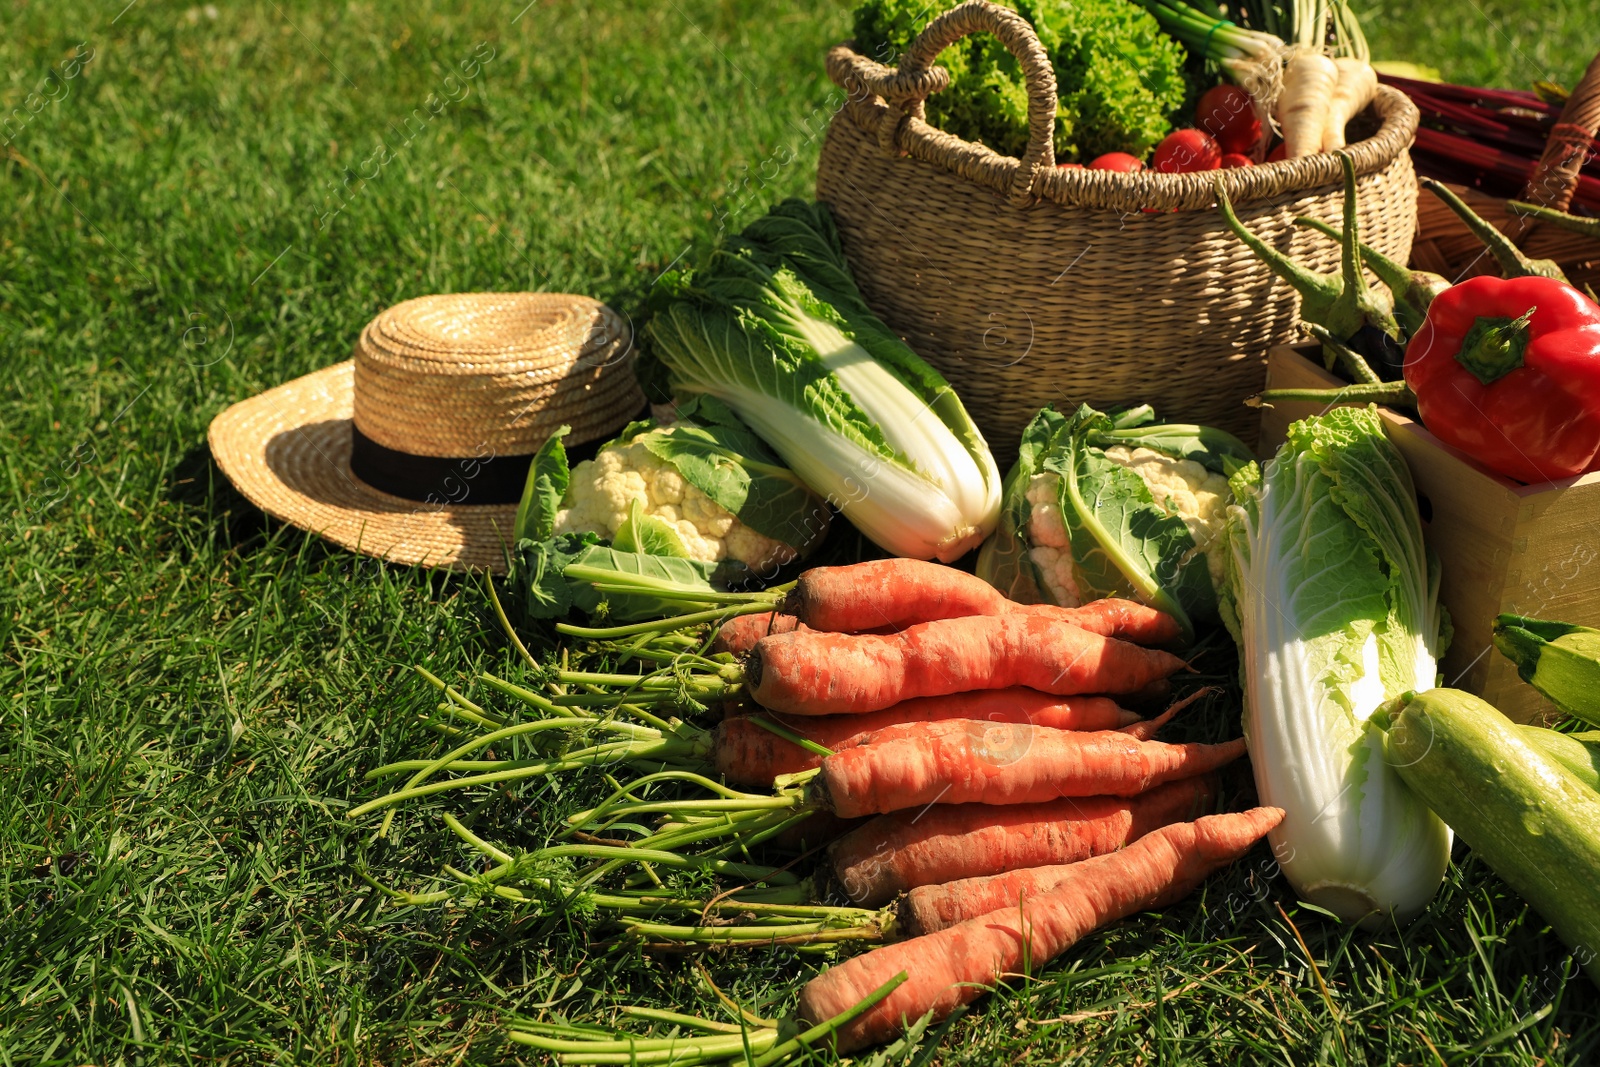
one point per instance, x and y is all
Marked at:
(1501, 43)
(192, 692)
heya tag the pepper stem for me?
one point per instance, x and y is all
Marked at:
(1494, 346)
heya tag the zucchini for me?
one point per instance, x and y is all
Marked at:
(1559, 659)
(1578, 753)
(1531, 820)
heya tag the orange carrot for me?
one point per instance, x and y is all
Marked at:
(1010, 705)
(962, 761)
(830, 673)
(888, 593)
(890, 854)
(1112, 617)
(1146, 729)
(739, 634)
(748, 754)
(952, 966)
(930, 908)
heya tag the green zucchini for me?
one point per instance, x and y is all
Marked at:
(1559, 659)
(1529, 819)
(1578, 753)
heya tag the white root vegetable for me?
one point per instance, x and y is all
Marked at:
(1357, 85)
(1309, 78)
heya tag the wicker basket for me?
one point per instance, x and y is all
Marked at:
(1445, 245)
(1026, 284)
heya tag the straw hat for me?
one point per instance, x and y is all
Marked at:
(417, 449)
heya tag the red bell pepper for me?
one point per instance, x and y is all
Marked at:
(1508, 371)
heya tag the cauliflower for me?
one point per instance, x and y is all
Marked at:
(602, 490)
(1158, 538)
(1050, 550)
(1184, 488)
(1179, 487)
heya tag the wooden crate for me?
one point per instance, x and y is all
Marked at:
(1531, 549)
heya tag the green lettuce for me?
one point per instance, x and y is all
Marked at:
(1119, 79)
(1333, 598)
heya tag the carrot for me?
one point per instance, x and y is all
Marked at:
(890, 594)
(749, 754)
(1145, 729)
(1216, 839)
(1010, 705)
(1357, 84)
(890, 854)
(1112, 617)
(952, 966)
(739, 634)
(1309, 78)
(962, 761)
(829, 673)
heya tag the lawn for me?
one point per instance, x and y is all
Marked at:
(188, 215)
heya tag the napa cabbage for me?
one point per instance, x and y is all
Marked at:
(1334, 601)
(774, 327)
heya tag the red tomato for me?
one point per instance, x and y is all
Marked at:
(1277, 153)
(1226, 113)
(1117, 161)
(1185, 151)
(1234, 159)
(1069, 166)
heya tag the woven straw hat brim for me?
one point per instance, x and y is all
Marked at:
(288, 451)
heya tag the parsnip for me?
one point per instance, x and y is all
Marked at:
(1309, 78)
(1356, 86)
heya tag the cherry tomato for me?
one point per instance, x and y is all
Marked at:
(1069, 166)
(1234, 159)
(1228, 114)
(1186, 151)
(1277, 153)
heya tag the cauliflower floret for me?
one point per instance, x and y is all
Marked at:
(758, 552)
(1184, 488)
(1055, 570)
(1044, 523)
(698, 545)
(601, 492)
(706, 513)
(1047, 538)
(667, 488)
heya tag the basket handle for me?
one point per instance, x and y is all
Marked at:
(963, 20)
(1555, 176)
